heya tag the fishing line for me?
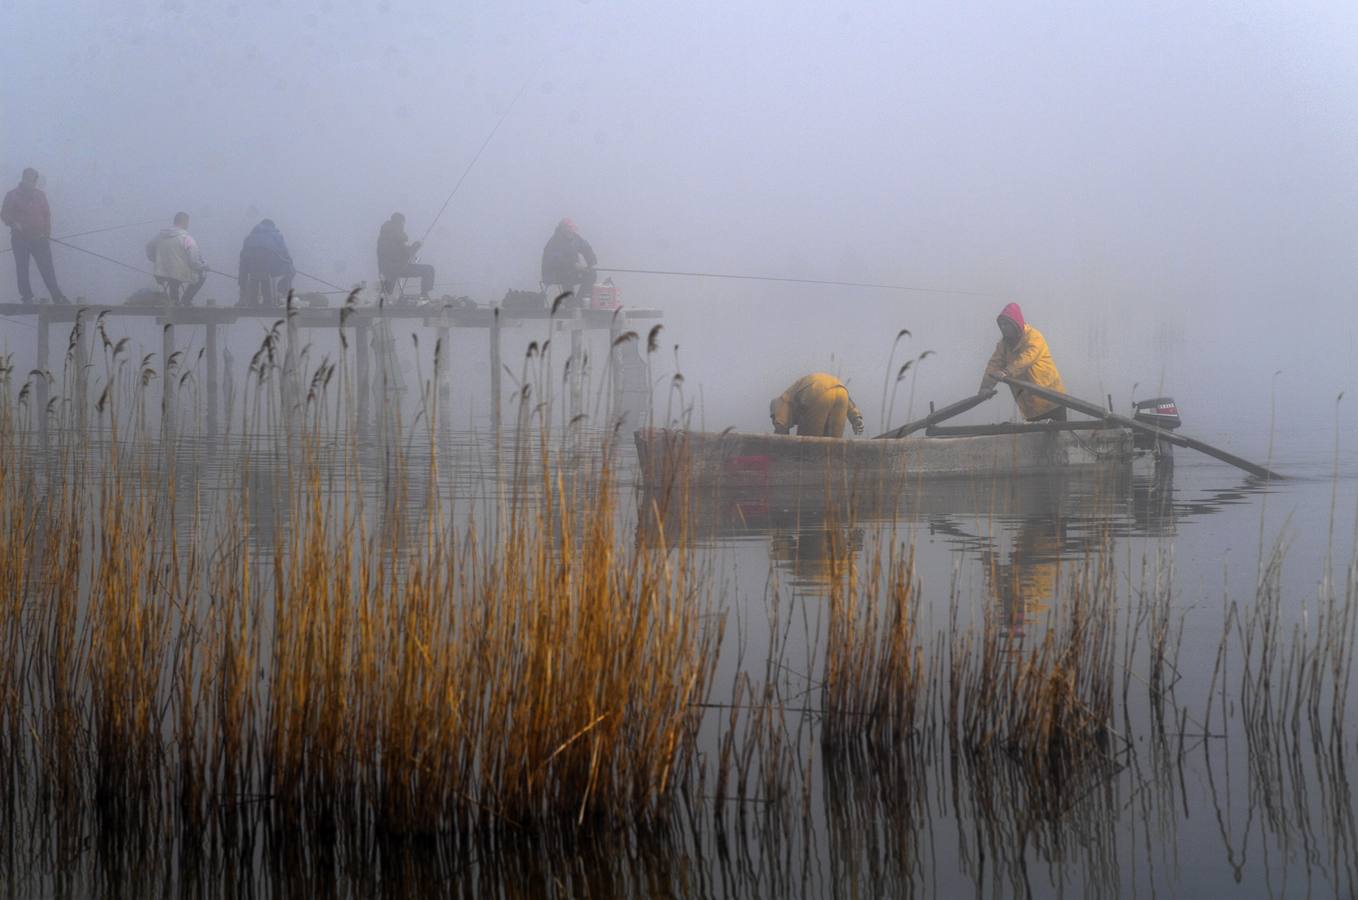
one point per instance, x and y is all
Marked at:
(401, 288)
(471, 165)
(18, 322)
(853, 284)
(116, 262)
(145, 272)
(99, 255)
(76, 234)
(321, 280)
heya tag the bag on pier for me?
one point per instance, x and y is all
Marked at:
(524, 301)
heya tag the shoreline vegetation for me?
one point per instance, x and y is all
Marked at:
(330, 672)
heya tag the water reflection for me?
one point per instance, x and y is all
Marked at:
(869, 823)
(1020, 529)
(1023, 581)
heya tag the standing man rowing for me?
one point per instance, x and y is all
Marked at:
(1022, 354)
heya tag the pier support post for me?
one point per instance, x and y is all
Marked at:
(229, 381)
(292, 388)
(167, 377)
(80, 358)
(363, 343)
(443, 388)
(614, 383)
(577, 379)
(495, 397)
(213, 390)
(40, 389)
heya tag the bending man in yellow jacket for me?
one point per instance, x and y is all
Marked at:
(1022, 354)
(816, 404)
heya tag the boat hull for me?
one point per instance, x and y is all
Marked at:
(731, 459)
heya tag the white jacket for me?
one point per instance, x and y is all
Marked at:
(176, 255)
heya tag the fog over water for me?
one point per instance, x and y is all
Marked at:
(1169, 191)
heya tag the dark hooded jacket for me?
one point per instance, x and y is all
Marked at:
(265, 253)
(563, 249)
(393, 247)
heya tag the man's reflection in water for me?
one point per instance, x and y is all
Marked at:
(1026, 585)
(816, 555)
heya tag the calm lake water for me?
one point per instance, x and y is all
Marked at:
(1205, 802)
(1207, 810)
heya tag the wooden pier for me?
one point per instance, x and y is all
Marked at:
(359, 322)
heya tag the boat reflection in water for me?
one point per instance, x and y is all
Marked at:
(1021, 530)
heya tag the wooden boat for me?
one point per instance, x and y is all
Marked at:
(683, 460)
(731, 459)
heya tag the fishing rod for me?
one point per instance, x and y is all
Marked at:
(471, 165)
(329, 284)
(401, 289)
(787, 280)
(116, 262)
(76, 234)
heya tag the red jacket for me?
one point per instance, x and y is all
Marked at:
(26, 211)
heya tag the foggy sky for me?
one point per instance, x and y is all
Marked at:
(1169, 190)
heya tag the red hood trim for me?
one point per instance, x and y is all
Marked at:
(1014, 314)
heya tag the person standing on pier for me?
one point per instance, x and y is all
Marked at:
(266, 269)
(29, 218)
(568, 260)
(1022, 353)
(395, 258)
(179, 265)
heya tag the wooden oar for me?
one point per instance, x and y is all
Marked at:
(1173, 437)
(940, 415)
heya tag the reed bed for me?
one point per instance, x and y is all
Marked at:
(397, 667)
(1046, 701)
(328, 668)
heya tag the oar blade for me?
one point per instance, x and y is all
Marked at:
(1173, 437)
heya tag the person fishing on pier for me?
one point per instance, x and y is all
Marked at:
(29, 218)
(1022, 354)
(568, 260)
(817, 404)
(395, 258)
(266, 269)
(179, 265)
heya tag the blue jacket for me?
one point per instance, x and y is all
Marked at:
(265, 253)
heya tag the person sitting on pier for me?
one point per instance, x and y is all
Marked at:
(179, 265)
(266, 269)
(568, 260)
(817, 404)
(29, 218)
(395, 258)
(1022, 354)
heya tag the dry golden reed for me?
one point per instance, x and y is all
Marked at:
(395, 665)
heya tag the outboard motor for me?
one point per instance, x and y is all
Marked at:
(1162, 412)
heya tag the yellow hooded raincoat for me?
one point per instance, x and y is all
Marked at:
(816, 404)
(1030, 360)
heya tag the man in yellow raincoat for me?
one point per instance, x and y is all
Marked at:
(816, 404)
(1022, 354)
